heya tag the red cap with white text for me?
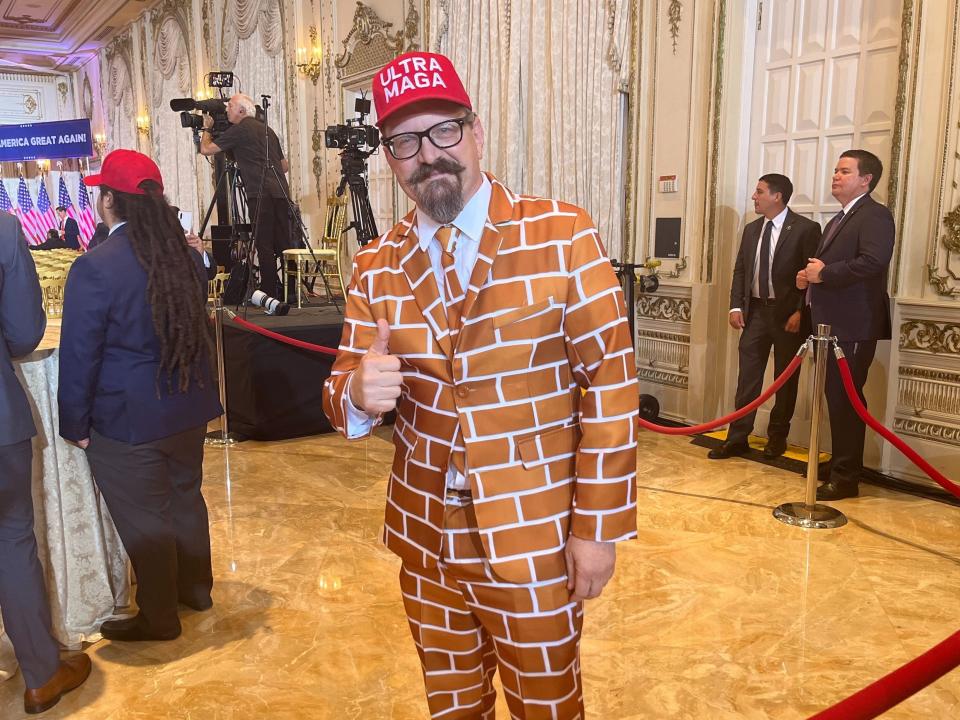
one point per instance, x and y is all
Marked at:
(416, 76)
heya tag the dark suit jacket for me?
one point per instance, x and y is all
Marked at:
(852, 297)
(71, 233)
(798, 241)
(110, 355)
(22, 322)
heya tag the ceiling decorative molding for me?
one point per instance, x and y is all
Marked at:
(370, 44)
(47, 35)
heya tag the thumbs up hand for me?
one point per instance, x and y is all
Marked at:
(375, 385)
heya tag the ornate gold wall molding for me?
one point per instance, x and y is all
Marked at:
(927, 430)
(951, 243)
(663, 377)
(674, 17)
(942, 283)
(922, 391)
(667, 309)
(710, 236)
(370, 44)
(663, 350)
(926, 336)
(633, 125)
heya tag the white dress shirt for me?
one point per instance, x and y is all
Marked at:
(470, 224)
(774, 239)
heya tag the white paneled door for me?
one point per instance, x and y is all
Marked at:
(825, 80)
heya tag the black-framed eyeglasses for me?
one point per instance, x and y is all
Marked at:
(445, 134)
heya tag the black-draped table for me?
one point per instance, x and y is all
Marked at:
(274, 390)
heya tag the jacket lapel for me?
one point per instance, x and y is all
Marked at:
(785, 237)
(843, 221)
(416, 266)
(752, 241)
(500, 212)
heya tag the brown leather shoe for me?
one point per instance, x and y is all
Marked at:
(70, 675)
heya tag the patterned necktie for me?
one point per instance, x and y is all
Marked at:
(453, 292)
(765, 261)
(454, 296)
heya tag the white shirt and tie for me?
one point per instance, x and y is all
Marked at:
(469, 224)
(776, 226)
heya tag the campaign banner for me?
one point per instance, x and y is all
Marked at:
(50, 140)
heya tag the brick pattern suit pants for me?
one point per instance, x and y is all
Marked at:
(467, 624)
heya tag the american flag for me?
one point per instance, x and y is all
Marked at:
(86, 218)
(48, 217)
(5, 204)
(29, 217)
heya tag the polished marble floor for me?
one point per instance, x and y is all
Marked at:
(718, 611)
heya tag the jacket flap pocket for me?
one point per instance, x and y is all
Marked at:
(521, 313)
(549, 446)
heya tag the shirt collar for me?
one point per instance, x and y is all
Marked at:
(470, 222)
(849, 206)
(779, 219)
(114, 228)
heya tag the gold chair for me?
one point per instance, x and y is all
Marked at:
(324, 258)
(52, 291)
(216, 286)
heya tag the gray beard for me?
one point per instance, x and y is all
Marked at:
(442, 198)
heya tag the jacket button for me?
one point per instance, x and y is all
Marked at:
(463, 391)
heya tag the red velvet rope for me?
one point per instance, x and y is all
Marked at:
(704, 427)
(899, 444)
(284, 338)
(894, 688)
(880, 696)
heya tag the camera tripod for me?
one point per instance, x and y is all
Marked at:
(353, 170)
(297, 226)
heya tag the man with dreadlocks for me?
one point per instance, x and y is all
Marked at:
(136, 390)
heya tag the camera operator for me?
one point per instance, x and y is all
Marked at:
(266, 191)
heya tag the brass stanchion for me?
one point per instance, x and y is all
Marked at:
(222, 437)
(809, 514)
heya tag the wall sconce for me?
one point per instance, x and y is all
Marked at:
(99, 144)
(310, 62)
(143, 124)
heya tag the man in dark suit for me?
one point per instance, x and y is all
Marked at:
(23, 597)
(68, 228)
(846, 284)
(766, 305)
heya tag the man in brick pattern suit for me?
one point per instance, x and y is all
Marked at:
(494, 323)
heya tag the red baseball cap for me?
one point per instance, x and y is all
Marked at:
(124, 170)
(416, 76)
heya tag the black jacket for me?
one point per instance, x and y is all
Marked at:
(852, 297)
(798, 241)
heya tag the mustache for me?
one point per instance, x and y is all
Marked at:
(441, 165)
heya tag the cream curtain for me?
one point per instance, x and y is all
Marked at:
(121, 115)
(544, 76)
(173, 147)
(252, 46)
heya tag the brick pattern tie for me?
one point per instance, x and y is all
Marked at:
(454, 296)
(454, 293)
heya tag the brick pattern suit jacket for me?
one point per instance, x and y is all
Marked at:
(543, 317)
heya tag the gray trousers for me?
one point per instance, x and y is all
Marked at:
(23, 595)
